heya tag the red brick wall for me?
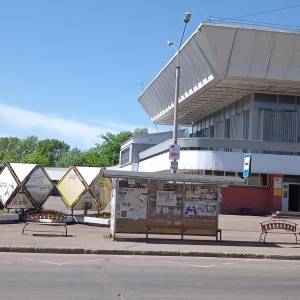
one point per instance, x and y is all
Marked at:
(256, 199)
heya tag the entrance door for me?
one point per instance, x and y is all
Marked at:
(294, 197)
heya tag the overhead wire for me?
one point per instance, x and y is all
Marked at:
(238, 20)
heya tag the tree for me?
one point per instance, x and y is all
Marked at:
(107, 153)
(52, 149)
(28, 145)
(35, 158)
(75, 157)
(10, 149)
(140, 131)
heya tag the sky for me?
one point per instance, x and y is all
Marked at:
(73, 70)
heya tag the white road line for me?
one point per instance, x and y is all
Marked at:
(198, 266)
(58, 264)
(209, 266)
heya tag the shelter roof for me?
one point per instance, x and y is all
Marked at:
(200, 179)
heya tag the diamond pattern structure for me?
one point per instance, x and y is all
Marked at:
(39, 186)
(87, 201)
(9, 185)
(101, 188)
(33, 185)
(72, 187)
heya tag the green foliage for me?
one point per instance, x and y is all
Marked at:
(55, 153)
(75, 157)
(10, 149)
(35, 158)
(107, 153)
(103, 215)
(139, 131)
(53, 149)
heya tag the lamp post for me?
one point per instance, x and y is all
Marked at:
(186, 19)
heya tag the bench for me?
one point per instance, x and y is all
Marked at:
(283, 226)
(217, 233)
(49, 219)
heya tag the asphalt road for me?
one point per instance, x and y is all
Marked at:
(58, 276)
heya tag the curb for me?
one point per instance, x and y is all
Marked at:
(55, 250)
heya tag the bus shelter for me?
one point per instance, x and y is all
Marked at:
(158, 203)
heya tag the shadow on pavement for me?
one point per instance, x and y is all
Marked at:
(202, 242)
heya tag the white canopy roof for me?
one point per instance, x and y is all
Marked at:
(220, 64)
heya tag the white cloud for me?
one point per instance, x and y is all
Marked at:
(76, 134)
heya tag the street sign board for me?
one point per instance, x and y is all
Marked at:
(174, 152)
(247, 164)
(174, 165)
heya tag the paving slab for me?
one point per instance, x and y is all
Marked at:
(240, 235)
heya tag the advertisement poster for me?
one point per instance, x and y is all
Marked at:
(20, 201)
(132, 203)
(86, 202)
(102, 189)
(277, 186)
(39, 186)
(70, 187)
(166, 198)
(200, 208)
(7, 185)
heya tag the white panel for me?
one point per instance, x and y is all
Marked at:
(227, 161)
(284, 63)
(88, 173)
(22, 170)
(250, 54)
(216, 43)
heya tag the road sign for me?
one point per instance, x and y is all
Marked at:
(247, 165)
(174, 152)
(174, 165)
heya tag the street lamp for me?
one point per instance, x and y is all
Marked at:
(186, 19)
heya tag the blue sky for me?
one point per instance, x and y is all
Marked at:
(73, 69)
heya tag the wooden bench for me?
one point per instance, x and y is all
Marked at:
(217, 233)
(49, 219)
(281, 226)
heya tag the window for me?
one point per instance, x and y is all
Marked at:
(265, 101)
(125, 156)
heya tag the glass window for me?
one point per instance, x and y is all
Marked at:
(227, 112)
(232, 174)
(217, 117)
(265, 101)
(233, 109)
(247, 103)
(286, 103)
(239, 106)
(211, 119)
(219, 173)
(222, 114)
(206, 122)
(125, 154)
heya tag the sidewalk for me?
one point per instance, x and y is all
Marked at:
(240, 235)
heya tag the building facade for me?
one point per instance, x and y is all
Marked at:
(239, 93)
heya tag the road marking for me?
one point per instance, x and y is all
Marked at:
(178, 263)
(60, 264)
(209, 266)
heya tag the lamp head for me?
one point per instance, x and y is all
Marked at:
(170, 43)
(187, 17)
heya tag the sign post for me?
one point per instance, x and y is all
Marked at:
(174, 155)
(247, 165)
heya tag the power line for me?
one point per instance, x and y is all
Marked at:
(248, 22)
(268, 11)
